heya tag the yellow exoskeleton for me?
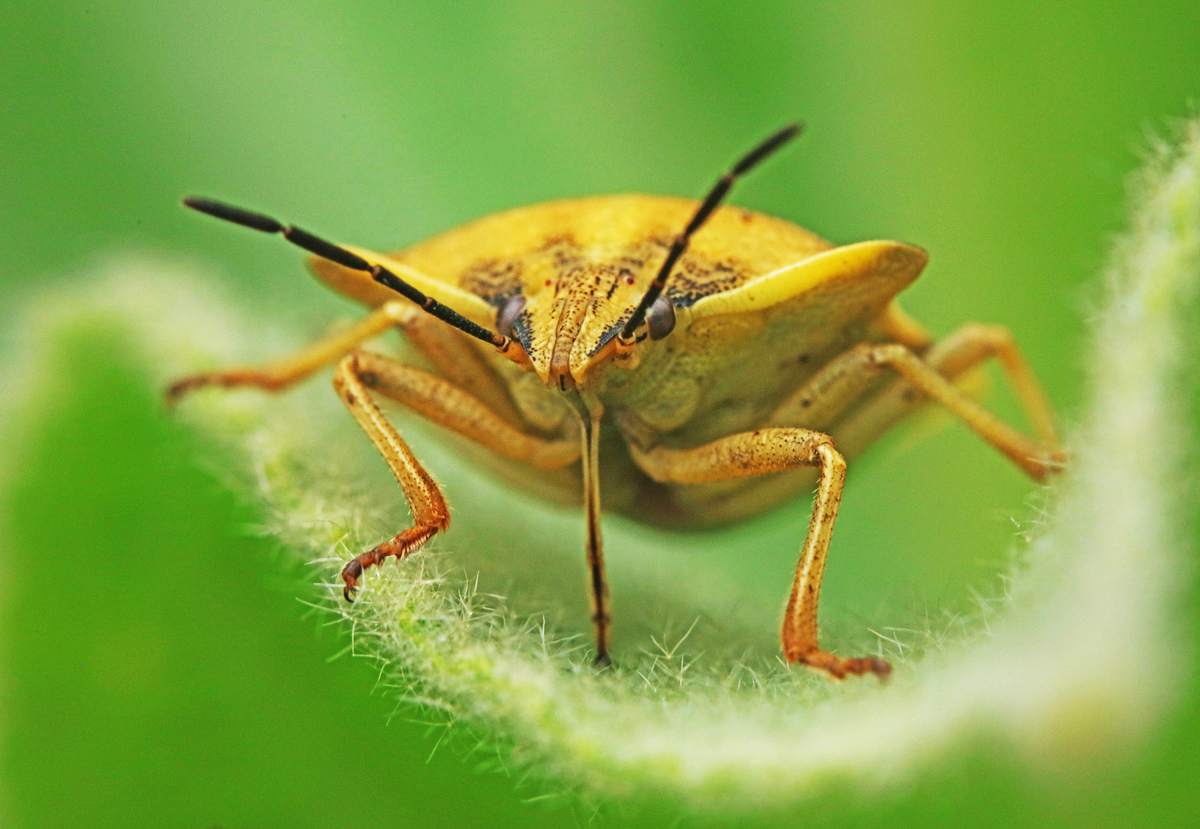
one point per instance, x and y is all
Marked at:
(665, 353)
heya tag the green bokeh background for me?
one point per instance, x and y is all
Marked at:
(159, 670)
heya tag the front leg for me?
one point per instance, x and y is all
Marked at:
(429, 510)
(443, 403)
(777, 450)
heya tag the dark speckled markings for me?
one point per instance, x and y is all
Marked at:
(492, 279)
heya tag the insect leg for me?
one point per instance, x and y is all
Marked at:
(898, 327)
(446, 404)
(455, 359)
(839, 400)
(449, 353)
(777, 450)
(443, 403)
(824, 396)
(429, 510)
(972, 344)
(931, 376)
(281, 373)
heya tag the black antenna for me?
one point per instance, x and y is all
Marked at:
(343, 257)
(714, 198)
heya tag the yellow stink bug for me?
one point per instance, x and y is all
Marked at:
(677, 352)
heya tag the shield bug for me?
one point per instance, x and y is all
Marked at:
(704, 362)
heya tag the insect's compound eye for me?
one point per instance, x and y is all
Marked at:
(506, 317)
(660, 319)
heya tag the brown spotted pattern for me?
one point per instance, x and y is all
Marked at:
(583, 264)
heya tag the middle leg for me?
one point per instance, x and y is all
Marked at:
(822, 402)
(446, 349)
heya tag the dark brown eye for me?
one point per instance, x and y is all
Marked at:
(660, 319)
(506, 317)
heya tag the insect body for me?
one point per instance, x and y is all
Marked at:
(692, 377)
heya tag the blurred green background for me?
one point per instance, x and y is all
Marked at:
(158, 668)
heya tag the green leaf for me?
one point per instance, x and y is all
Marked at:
(1082, 652)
